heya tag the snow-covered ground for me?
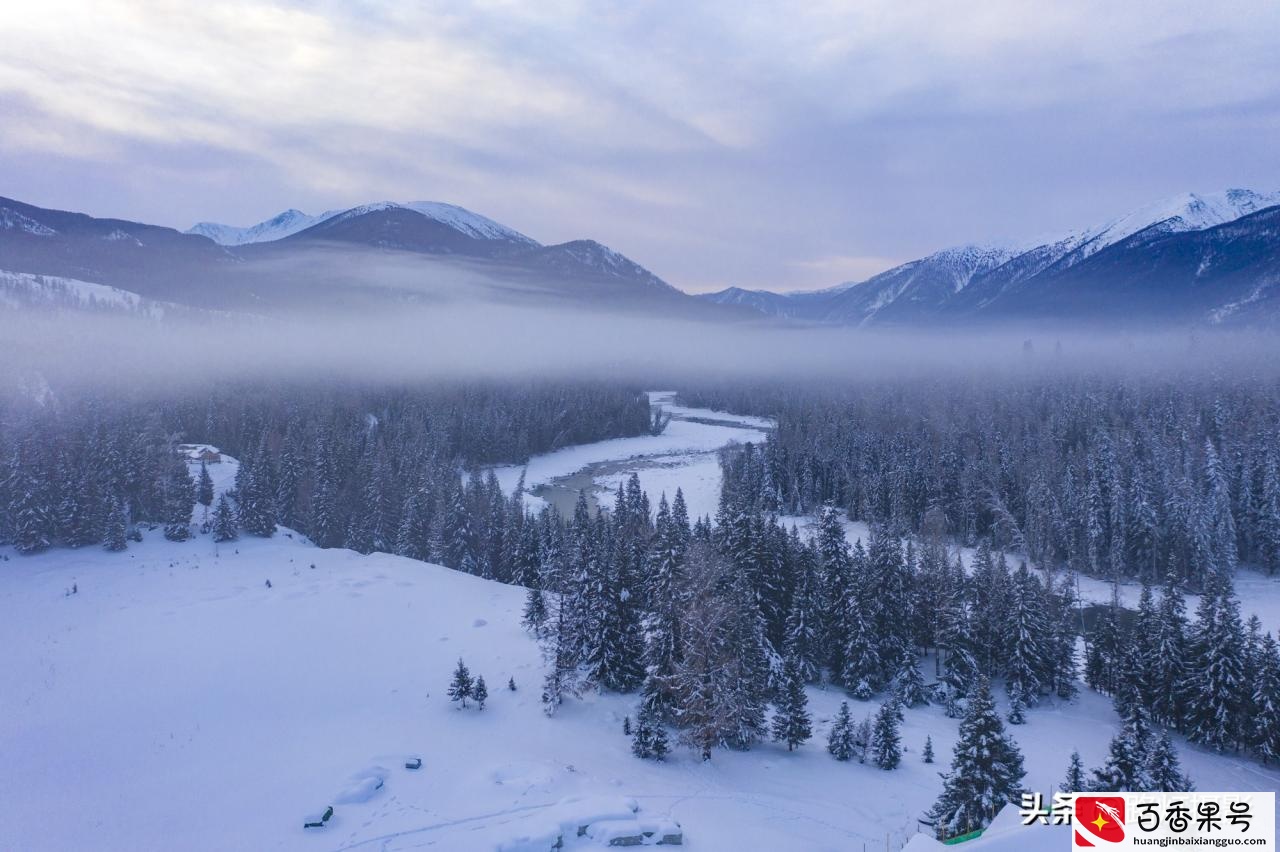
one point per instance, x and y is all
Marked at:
(176, 699)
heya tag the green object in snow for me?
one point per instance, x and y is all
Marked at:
(328, 812)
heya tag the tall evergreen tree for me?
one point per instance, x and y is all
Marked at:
(791, 723)
(986, 768)
(204, 488)
(462, 686)
(886, 737)
(116, 527)
(840, 740)
(224, 521)
(1074, 782)
(1164, 774)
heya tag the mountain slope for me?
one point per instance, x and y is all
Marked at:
(277, 227)
(363, 257)
(1071, 273)
(1229, 273)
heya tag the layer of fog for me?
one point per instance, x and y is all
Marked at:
(409, 343)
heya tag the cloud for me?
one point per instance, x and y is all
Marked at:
(714, 142)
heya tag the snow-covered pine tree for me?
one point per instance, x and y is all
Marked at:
(480, 692)
(926, 754)
(224, 521)
(986, 768)
(1163, 772)
(461, 687)
(28, 508)
(861, 663)
(535, 612)
(1025, 640)
(179, 498)
(840, 740)
(116, 527)
(649, 736)
(834, 565)
(204, 489)
(800, 640)
(1265, 739)
(1126, 766)
(1074, 782)
(1215, 685)
(908, 683)
(1102, 657)
(1169, 663)
(562, 664)
(886, 737)
(791, 724)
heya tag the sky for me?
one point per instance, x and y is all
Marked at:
(761, 145)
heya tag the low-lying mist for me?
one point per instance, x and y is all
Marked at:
(414, 342)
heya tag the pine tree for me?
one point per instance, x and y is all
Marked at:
(204, 488)
(1025, 640)
(886, 737)
(1266, 701)
(840, 740)
(908, 683)
(1126, 766)
(1164, 774)
(480, 692)
(179, 499)
(986, 768)
(861, 662)
(511, 684)
(32, 528)
(927, 753)
(1074, 782)
(1169, 663)
(224, 521)
(791, 723)
(1216, 688)
(461, 687)
(535, 612)
(649, 737)
(1017, 712)
(115, 530)
(561, 664)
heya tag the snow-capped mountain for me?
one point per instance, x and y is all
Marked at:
(293, 221)
(277, 227)
(340, 257)
(977, 283)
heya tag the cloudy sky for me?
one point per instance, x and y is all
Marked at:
(716, 143)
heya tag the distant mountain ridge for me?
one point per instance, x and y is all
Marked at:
(974, 283)
(295, 256)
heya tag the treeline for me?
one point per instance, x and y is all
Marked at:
(368, 469)
(1215, 679)
(1114, 477)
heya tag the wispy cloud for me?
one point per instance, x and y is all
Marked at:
(714, 142)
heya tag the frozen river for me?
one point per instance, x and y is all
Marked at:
(683, 456)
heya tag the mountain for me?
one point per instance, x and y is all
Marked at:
(277, 227)
(1225, 274)
(365, 255)
(1078, 275)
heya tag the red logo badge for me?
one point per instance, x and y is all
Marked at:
(1098, 820)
